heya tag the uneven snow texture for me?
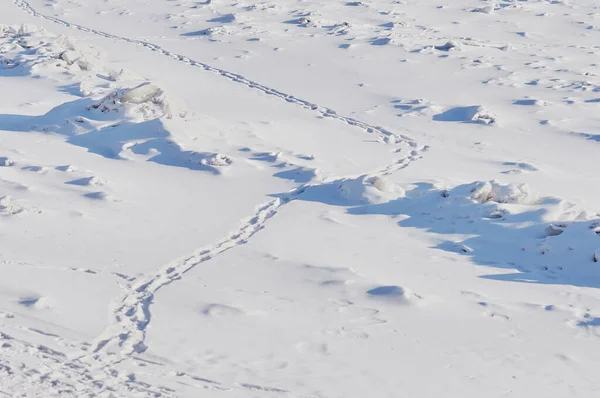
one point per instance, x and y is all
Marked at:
(299, 199)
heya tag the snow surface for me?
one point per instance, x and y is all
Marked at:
(383, 198)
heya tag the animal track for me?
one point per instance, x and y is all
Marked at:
(125, 337)
(236, 78)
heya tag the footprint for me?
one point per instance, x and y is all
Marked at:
(86, 181)
(98, 196)
(9, 207)
(6, 315)
(67, 168)
(395, 294)
(35, 169)
(312, 348)
(519, 167)
(36, 302)
(221, 310)
(6, 162)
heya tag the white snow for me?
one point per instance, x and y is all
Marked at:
(299, 199)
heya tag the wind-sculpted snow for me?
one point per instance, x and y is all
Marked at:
(123, 111)
(181, 215)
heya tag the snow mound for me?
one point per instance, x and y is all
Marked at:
(369, 190)
(450, 45)
(19, 31)
(35, 302)
(392, 293)
(485, 10)
(98, 196)
(8, 206)
(143, 93)
(145, 101)
(467, 114)
(45, 51)
(218, 160)
(482, 115)
(386, 186)
(212, 32)
(493, 191)
(221, 310)
(87, 181)
(6, 162)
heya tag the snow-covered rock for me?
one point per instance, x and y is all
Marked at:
(482, 115)
(493, 191)
(369, 190)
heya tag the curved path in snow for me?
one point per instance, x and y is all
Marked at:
(323, 111)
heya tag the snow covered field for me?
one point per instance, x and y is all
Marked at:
(384, 198)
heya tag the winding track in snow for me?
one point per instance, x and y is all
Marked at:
(132, 314)
(323, 111)
(126, 335)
